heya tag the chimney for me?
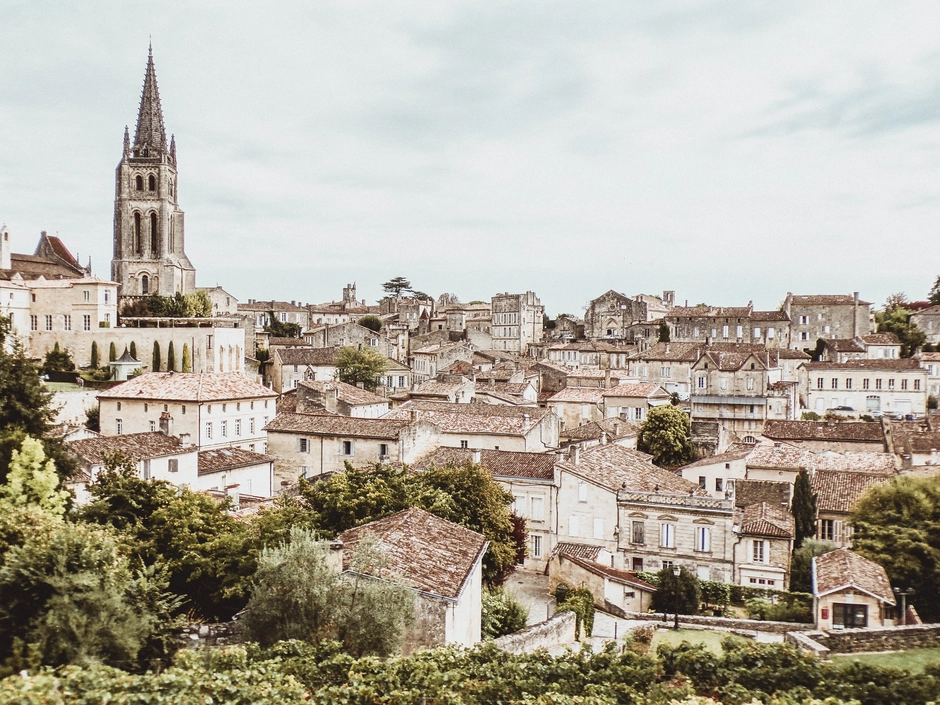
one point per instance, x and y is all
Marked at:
(413, 413)
(616, 428)
(576, 454)
(184, 438)
(475, 456)
(603, 438)
(525, 422)
(166, 424)
(334, 559)
(667, 347)
(607, 384)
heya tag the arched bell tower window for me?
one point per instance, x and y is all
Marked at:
(152, 183)
(137, 245)
(153, 232)
(144, 284)
(140, 183)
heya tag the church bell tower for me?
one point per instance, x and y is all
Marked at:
(148, 224)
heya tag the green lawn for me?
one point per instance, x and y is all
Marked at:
(62, 387)
(711, 640)
(913, 660)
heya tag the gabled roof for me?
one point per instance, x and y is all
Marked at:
(334, 425)
(881, 339)
(224, 459)
(614, 467)
(615, 429)
(582, 395)
(855, 431)
(846, 345)
(843, 569)
(621, 576)
(767, 519)
(585, 551)
(348, 393)
(840, 491)
(427, 553)
(186, 386)
(499, 463)
(473, 418)
(137, 446)
(643, 390)
(307, 356)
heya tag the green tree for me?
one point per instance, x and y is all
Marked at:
(801, 579)
(70, 597)
(32, 480)
(663, 331)
(198, 304)
(170, 358)
(897, 320)
(372, 322)
(934, 296)
(112, 352)
(187, 363)
(803, 508)
(396, 285)
(281, 329)
(299, 595)
(58, 360)
(93, 418)
(155, 361)
(690, 592)
(94, 355)
(134, 350)
(665, 436)
(896, 526)
(502, 613)
(364, 366)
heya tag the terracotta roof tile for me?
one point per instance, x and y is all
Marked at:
(843, 568)
(473, 418)
(881, 339)
(334, 425)
(612, 466)
(869, 432)
(825, 300)
(137, 446)
(614, 428)
(499, 463)
(307, 356)
(196, 387)
(767, 519)
(840, 491)
(876, 364)
(223, 459)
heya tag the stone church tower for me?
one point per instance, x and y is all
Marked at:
(148, 224)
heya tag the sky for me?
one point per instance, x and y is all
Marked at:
(731, 152)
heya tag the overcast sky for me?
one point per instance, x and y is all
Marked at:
(727, 151)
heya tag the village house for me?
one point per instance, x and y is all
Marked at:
(928, 320)
(826, 316)
(293, 365)
(632, 401)
(311, 444)
(610, 315)
(263, 313)
(486, 426)
(456, 389)
(896, 387)
(338, 398)
(615, 591)
(156, 455)
(930, 361)
(352, 335)
(718, 474)
(521, 393)
(427, 361)
(877, 346)
(397, 377)
(442, 562)
(223, 303)
(614, 430)
(837, 493)
(236, 469)
(917, 444)
(851, 592)
(765, 533)
(669, 365)
(211, 410)
(719, 324)
(516, 321)
(528, 477)
(835, 436)
(577, 405)
(568, 327)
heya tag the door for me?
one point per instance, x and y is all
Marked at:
(873, 403)
(849, 616)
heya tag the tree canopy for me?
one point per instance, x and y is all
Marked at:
(803, 508)
(396, 285)
(282, 329)
(192, 305)
(665, 436)
(360, 365)
(934, 296)
(897, 320)
(372, 322)
(58, 360)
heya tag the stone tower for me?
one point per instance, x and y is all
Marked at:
(148, 224)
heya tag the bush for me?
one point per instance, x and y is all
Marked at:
(502, 613)
(715, 593)
(791, 609)
(690, 592)
(811, 416)
(579, 600)
(58, 360)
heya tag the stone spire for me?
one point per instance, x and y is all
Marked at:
(150, 139)
(127, 142)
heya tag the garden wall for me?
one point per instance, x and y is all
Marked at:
(756, 625)
(854, 641)
(554, 631)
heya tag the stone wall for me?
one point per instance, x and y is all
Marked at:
(747, 624)
(554, 631)
(193, 636)
(853, 641)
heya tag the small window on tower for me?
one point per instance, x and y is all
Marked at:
(140, 183)
(152, 183)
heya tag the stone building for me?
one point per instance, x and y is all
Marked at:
(149, 255)
(851, 592)
(720, 324)
(928, 320)
(837, 492)
(826, 316)
(610, 315)
(762, 552)
(516, 321)
(897, 387)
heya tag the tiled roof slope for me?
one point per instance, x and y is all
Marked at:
(825, 300)
(858, 431)
(426, 552)
(501, 463)
(840, 491)
(767, 519)
(307, 356)
(472, 418)
(333, 425)
(613, 466)
(349, 393)
(221, 459)
(615, 429)
(843, 568)
(752, 492)
(196, 387)
(137, 446)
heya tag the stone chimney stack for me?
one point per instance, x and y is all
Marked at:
(476, 456)
(603, 438)
(166, 424)
(335, 558)
(576, 453)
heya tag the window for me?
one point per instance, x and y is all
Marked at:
(719, 485)
(835, 382)
(903, 385)
(865, 384)
(724, 331)
(701, 382)
(173, 465)
(849, 616)
(757, 333)
(637, 565)
(208, 430)
(701, 481)
(34, 322)
(598, 528)
(48, 322)
(703, 539)
(667, 535)
(770, 333)
(86, 296)
(146, 407)
(151, 183)
(536, 546)
(877, 384)
(848, 383)
(538, 509)
(582, 492)
(757, 551)
(153, 426)
(383, 450)
(464, 444)
(347, 448)
(916, 385)
(238, 428)
(819, 383)
(119, 406)
(146, 469)
(804, 335)
(401, 381)
(891, 383)
(140, 183)
(638, 534)
(251, 426)
(224, 408)
(827, 530)
(183, 409)
(303, 445)
(804, 320)
(120, 426)
(86, 322)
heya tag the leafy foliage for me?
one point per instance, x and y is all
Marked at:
(187, 363)
(170, 358)
(801, 563)
(94, 355)
(155, 359)
(803, 508)
(193, 305)
(665, 436)
(687, 586)
(579, 600)
(32, 481)
(396, 285)
(281, 329)
(897, 320)
(934, 296)
(502, 613)
(58, 360)
(898, 526)
(372, 322)
(663, 331)
(366, 366)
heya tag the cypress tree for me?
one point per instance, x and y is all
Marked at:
(170, 358)
(134, 350)
(94, 355)
(155, 364)
(112, 353)
(803, 508)
(187, 365)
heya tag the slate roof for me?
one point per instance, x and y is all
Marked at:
(137, 446)
(223, 459)
(855, 431)
(842, 569)
(335, 425)
(195, 387)
(500, 463)
(307, 356)
(472, 418)
(840, 491)
(613, 466)
(427, 553)
(767, 519)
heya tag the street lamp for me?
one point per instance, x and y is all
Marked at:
(903, 595)
(676, 570)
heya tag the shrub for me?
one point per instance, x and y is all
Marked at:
(502, 613)
(579, 600)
